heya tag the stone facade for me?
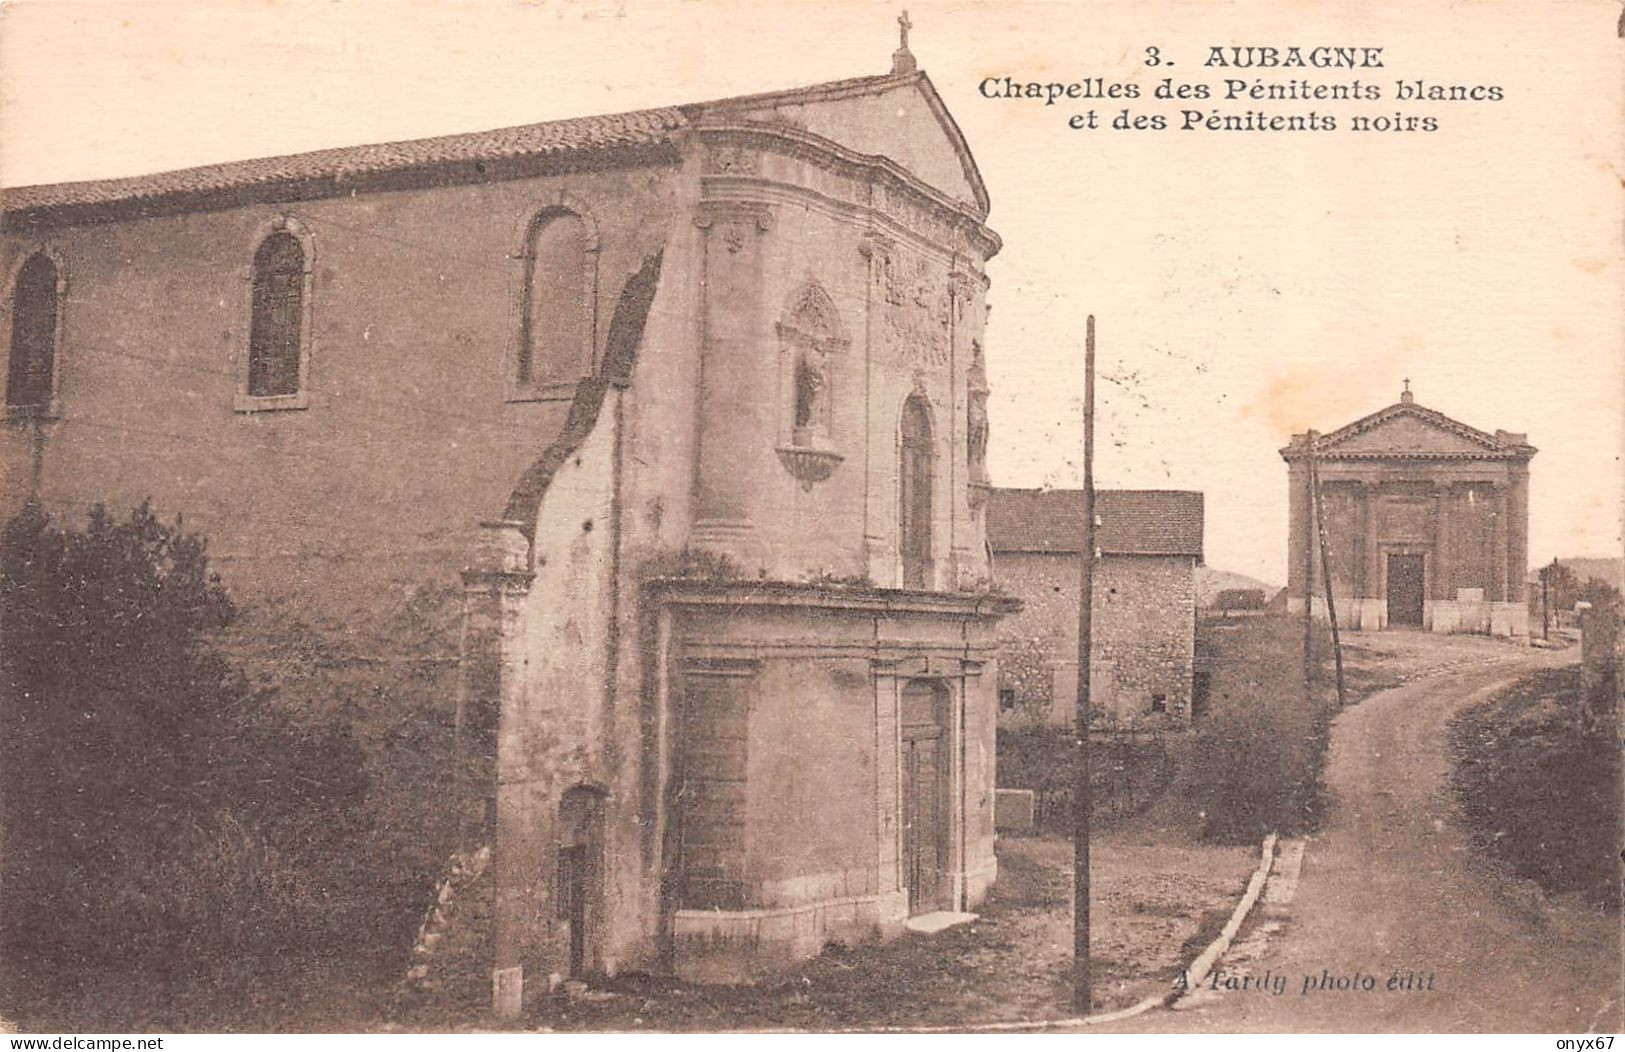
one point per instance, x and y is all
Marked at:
(1426, 522)
(1144, 613)
(664, 429)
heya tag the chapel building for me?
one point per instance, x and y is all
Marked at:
(1426, 522)
(651, 444)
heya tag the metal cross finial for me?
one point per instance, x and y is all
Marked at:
(1407, 384)
(904, 25)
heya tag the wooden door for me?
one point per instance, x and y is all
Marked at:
(1405, 590)
(925, 762)
(580, 875)
(573, 902)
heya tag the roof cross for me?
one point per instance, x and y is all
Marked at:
(902, 60)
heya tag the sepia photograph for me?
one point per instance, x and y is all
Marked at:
(697, 516)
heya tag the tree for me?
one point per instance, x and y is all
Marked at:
(150, 800)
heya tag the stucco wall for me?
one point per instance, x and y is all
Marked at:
(334, 514)
(341, 528)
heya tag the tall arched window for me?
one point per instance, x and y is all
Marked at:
(556, 344)
(276, 330)
(31, 373)
(915, 473)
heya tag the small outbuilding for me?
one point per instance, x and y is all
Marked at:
(1143, 653)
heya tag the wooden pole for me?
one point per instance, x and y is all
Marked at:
(1309, 574)
(1326, 571)
(1082, 987)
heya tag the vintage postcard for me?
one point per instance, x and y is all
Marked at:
(639, 515)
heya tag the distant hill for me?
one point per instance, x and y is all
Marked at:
(1210, 582)
(1587, 567)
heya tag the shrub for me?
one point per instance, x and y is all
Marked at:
(1540, 794)
(1257, 758)
(152, 802)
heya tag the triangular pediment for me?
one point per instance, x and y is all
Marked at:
(1407, 429)
(900, 117)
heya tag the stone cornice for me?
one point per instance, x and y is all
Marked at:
(1294, 454)
(876, 170)
(686, 591)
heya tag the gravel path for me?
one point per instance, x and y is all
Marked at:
(1391, 895)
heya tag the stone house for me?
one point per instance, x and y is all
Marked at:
(1426, 522)
(1144, 613)
(651, 444)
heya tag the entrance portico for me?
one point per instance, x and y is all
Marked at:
(1426, 522)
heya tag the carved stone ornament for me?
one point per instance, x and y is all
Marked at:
(732, 160)
(809, 464)
(735, 219)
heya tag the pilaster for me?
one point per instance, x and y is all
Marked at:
(737, 421)
(490, 739)
(1518, 534)
(1444, 498)
(1371, 547)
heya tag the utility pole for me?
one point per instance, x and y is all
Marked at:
(1309, 573)
(1326, 571)
(1082, 987)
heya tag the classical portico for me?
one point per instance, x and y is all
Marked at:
(1425, 522)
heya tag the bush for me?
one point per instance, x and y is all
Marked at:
(1257, 758)
(153, 804)
(1539, 793)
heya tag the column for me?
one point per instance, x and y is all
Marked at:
(1498, 551)
(1298, 518)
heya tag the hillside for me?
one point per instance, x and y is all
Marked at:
(1210, 582)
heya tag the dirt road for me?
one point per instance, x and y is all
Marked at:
(1392, 896)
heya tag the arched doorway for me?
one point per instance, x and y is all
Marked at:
(927, 813)
(581, 872)
(915, 472)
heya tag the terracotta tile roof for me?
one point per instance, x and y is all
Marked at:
(637, 128)
(1132, 521)
(506, 150)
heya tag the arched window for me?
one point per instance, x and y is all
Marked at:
(915, 473)
(276, 330)
(31, 373)
(556, 344)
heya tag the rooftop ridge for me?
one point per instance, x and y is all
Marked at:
(629, 129)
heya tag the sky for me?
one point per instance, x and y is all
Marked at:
(1245, 285)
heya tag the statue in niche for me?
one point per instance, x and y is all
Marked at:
(812, 397)
(976, 435)
(976, 429)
